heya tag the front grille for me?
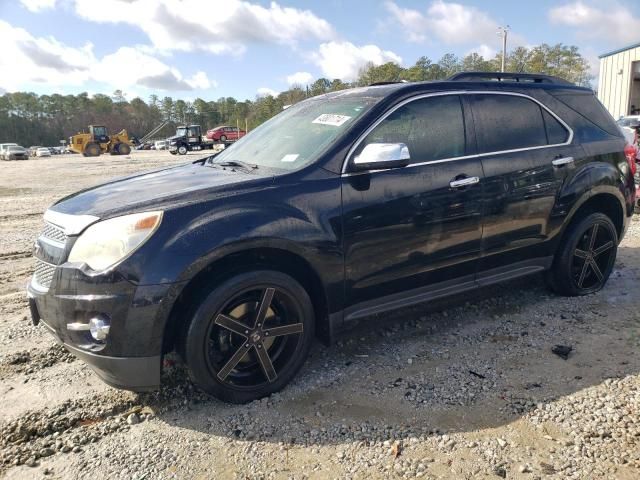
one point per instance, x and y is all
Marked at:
(54, 233)
(43, 273)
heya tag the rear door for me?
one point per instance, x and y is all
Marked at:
(526, 155)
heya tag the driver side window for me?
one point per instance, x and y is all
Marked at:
(432, 128)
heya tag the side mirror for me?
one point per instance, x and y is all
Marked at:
(376, 156)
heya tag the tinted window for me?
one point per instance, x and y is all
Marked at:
(556, 133)
(505, 122)
(588, 106)
(432, 128)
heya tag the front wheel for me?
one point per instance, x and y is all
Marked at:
(223, 138)
(585, 259)
(182, 150)
(250, 336)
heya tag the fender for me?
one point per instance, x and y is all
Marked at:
(595, 179)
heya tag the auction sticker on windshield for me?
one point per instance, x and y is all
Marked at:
(291, 157)
(332, 119)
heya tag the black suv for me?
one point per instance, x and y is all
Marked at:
(342, 206)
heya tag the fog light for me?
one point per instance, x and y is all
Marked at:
(99, 328)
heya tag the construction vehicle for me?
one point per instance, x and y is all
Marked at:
(98, 141)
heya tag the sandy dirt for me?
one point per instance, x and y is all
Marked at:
(464, 388)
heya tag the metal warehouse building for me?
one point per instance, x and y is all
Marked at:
(619, 81)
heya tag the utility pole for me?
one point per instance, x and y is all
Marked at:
(503, 32)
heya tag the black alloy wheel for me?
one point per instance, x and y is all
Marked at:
(586, 259)
(250, 336)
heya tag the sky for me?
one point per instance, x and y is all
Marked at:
(220, 48)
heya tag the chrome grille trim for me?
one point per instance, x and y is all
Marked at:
(43, 274)
(53, 232)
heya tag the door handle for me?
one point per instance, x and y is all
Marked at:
(464, 182)
(558, 162)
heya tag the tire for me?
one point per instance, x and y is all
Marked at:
(585, 258)
(182, 150)
(226, 341)
(123, 149)
(92, 150)
(223, 138)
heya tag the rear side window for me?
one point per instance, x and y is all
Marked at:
(506, 122)
(590, 108)
(433, 129)
(556, 133)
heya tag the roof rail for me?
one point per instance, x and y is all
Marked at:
(507, 77)
(377, 84)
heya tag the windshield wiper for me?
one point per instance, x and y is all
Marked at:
(236, 163)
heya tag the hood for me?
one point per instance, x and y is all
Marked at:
(175, 137)
(156, 189)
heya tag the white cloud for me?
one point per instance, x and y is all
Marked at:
(299, 78)
(343, 60)
(38, 5)
(129, 67)
(28, 59)
(611, 22)
(265, 92)
(449, 22)
(485, 51)
(189, 25)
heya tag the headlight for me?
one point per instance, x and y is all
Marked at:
(106, 243)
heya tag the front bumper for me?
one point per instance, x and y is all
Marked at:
(130, 357)
(128, 373)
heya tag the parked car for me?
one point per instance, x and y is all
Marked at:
(15, 152)
(32, 150)
(4, 146)
(343, 206)
(225, 133)
(43, 152)
(161, 145)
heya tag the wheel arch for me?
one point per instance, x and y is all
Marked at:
(236, 262)
(608, 201)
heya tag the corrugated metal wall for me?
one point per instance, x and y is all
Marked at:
(614, 85)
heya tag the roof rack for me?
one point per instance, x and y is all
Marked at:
(507, 77)
(377, 84)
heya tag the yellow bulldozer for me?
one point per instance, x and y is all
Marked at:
(98, 141)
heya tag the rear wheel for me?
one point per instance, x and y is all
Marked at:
(585, 260)
(92, 150)
(249, 336)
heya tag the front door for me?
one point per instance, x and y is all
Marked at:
(417, 229)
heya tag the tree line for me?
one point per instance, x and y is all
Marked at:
(30, 119)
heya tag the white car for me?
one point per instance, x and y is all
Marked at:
(5, 146)
(43, 152)
(161, 145)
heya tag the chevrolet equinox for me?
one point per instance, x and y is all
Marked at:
(342, 206)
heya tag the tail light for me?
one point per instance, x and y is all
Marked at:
(631, 152)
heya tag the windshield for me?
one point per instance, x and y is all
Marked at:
(16, 149)
(296, 137)
(181, 132)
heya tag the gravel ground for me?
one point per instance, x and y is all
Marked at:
(463, 388)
